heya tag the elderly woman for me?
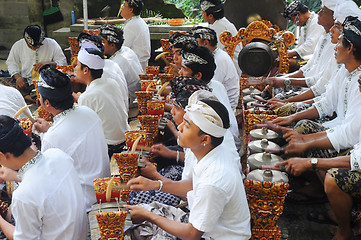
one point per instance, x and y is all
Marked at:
(215, 193)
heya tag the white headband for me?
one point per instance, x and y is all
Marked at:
(331, 4)
(91, 60)
(206, 119)
(188, 58)
(345, 9)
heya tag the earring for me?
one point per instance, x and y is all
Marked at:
(204, 144)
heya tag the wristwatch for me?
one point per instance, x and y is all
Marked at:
(287, 82)
(314, 162)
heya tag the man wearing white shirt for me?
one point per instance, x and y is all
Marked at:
(199, 63)
(213, 13)
(310, 30)
(342, 185)
(342, 97)
(33, 51)
(347, 8)
(123, 56)
(49, 202)
(76, 130)
(215, 194)
(225, 72)
(136, 31)
(307, 75)
(11, 101)
(102, 95)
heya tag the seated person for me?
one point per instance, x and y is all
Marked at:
(342, 185)
(225, 72)
(176, 41)
(11, 101)
(136, 31)
(199, 63)
(49, 202)
(103, 96)
(343, 97)
(113, 47)
(308, 75)
(111, 68)
(33, 51)
(303, 100)
(170, 159)
(213, 13)
(309, 31)
(76, 130)
(216, 196)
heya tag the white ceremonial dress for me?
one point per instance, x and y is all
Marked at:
(227, 74)
(102, 95)
(20, 53)
(221, 94)
(324, 51)
(218, 204)
(49, 202)
(131, 70)
(112, 70)
(309, 35)
(137, 38)
(78, 132)
(344, 97)
(11, 101)
(220, 26)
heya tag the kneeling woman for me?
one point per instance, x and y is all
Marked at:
(216, 196)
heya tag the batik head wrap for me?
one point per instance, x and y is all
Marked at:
(199, 59)
(292, 8)
(183, 88)
(345, 9)
(34, 35)
(204, 33)
(96, 40)
(112, 33)
(178, 40)
(211, 6)
(53, 84)
(352, 31)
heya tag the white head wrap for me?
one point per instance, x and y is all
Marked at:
(331, 4)
(92, 61)
(345, 9)
(204, 116)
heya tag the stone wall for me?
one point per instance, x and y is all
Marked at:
(14, 17)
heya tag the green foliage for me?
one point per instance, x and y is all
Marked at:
(191, 8)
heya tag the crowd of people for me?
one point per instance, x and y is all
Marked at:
(200, 162)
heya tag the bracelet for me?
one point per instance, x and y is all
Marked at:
(161, 185)
(177, 157)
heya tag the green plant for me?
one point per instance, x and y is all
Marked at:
(191, 8)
